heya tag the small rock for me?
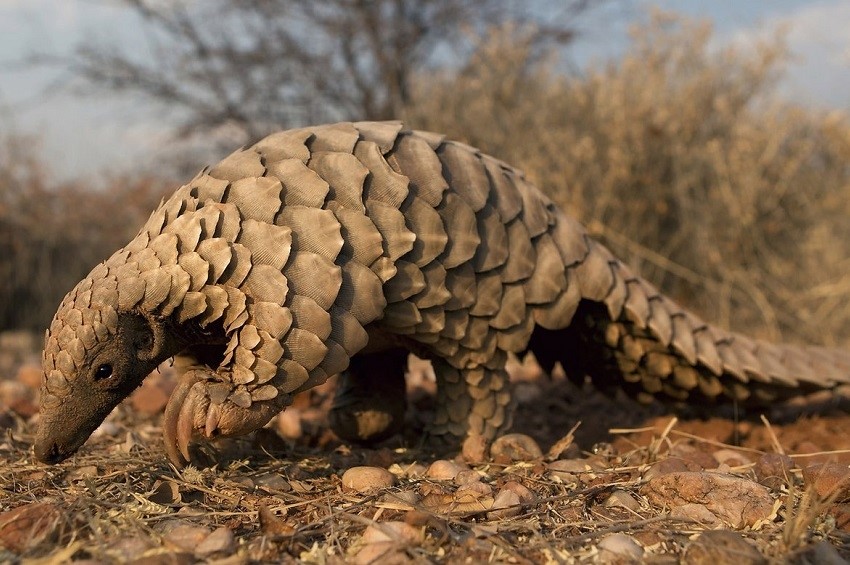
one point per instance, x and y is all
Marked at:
(384, 542)
(622, 499)
(524, 494)
(397, 532)
(186, 536)
(26, 527)
(617, 547)
(515, 447)
(403, 500)
(696, 513)
(696, 459)
(444, 470)
(366, 479)
(670, 465)
(570, 470)
(273, 481)
(30, 375)
(84, 472)
(18, 397)
(722, 546)
(106, 429)
(773, 470)
(477, 487)
(506, 505)
(149, 398)
(220, 541)
(129, 548)
(821, 553)
(475, 449)
(730, 457)
(738, 502)
(467, 500)
(828, 480)
(467, 476)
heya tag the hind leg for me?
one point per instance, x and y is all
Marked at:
(370, 400)
(471, 402)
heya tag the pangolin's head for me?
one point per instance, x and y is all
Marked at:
(94, 357)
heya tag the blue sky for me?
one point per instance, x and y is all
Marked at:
(83, 133)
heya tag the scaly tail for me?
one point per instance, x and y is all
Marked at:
(626, 334)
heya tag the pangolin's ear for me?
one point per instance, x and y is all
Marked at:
(147, 339)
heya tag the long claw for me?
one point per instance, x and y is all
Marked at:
(213, 418)
(186, 421)
(171, 420)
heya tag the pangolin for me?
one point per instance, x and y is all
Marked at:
(340, 248)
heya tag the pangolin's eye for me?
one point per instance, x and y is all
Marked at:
(103, 372)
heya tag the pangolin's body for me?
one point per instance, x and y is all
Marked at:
(286, 260)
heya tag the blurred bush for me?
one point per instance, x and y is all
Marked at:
(680, 157)
(52, 234)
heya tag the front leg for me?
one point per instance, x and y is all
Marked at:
(207, 404)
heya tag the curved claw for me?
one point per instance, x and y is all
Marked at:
(171, 420)
(190, 412)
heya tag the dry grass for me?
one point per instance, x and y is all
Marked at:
(284, 501)
(681, 158)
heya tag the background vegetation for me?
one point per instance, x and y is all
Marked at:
(680, 156)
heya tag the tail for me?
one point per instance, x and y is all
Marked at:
(626, 334)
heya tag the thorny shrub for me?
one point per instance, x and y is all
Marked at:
(682, 159)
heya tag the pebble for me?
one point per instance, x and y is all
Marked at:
(273, 481)
(731, 457)
(697, 513)
(149, 398)
(524, 494)
(821, 553)
(395, 531)
(773, 470)
(30, 374)
(670, 465)
(736, 501)
(570, 470)
(622, 499)
(507, 504)
(467, 476)
(385, 542)
(366, 479)
(219, 541)
(722, 546)
(616, 547)
(444, 470)
(186, 536)
(694, 456)
(515, 447)
(828, 480)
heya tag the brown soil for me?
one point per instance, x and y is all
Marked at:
(275, 499)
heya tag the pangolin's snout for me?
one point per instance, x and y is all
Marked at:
(49, 452)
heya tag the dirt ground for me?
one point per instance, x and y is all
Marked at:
(633, 484)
